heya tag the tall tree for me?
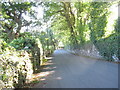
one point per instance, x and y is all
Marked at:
(11, 17)
(75, 23)
(98, 19)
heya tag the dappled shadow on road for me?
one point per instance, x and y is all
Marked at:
(47, 70)
(69, 71)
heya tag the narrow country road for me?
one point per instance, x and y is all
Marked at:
(69, 71)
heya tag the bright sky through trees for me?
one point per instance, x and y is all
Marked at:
(85, 28)
(113, 16)
(39, 15)
(40, 12)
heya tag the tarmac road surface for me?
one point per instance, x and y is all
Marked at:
(69, 71)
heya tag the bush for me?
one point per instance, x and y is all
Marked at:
(108, 47)
(19, 59)
(4, 35)
(117, 25)
(15, 66)
(23, 43)
(33, 46)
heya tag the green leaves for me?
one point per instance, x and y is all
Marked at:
(21, 43)
(108, 47)
(17, 43)
(98, 17)
(117, 26)
(12, 19)
(11, 63)
(4, 77)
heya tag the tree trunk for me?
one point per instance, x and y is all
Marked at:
(70, 18)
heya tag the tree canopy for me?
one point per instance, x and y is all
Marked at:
(74, 24)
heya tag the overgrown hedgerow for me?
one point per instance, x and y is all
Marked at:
(108, 47)
(15, 66)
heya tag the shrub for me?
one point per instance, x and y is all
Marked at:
(117, 25)
(108, 47)
(33, 46)
(15, 66)
(22, 43)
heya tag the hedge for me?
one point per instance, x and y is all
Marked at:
(15, 66)
(108, 47)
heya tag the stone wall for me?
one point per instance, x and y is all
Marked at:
(88, 49)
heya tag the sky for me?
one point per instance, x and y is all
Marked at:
(111, 20)
(40, 13)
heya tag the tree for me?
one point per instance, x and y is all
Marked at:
(98, 20)
(74, 17)
(11, 17)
